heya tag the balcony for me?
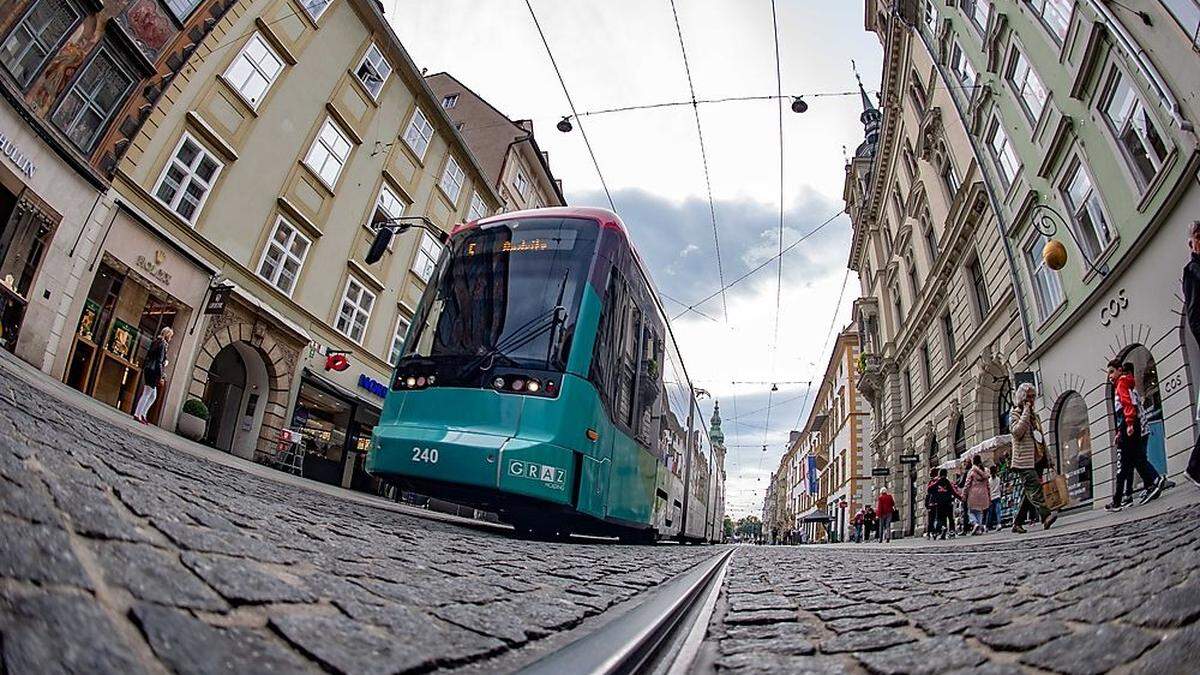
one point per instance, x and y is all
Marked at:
(871, 376)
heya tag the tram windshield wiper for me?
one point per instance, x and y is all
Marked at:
(530, 331)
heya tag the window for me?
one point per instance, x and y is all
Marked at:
(355, 311)
(283, 257)
(931, 243)
(887, 239)
(950, 178)
(930, 16)
(187, 179)
(387, 206)
(898, 205)
(478, 208)
(1087, 213)
(1136, 131)
(978, 11)
(910, 160)
(398, 340)
(32, 41)
(452, 179)
(1002, 153)
(917, 91)
(962, 68)
(983, 303)
(418, 133)
(948, 335)
(328, 153)
(254, 70)
(93, 98)
(450, 101)
(182, 8)
(1047, 290)
(521, 183)
(1027, 84)
(315, 8)
(1055, 15)
(897, 307)
(908, 389)
(914, 281)
(427, 256)
(926, 367)
(373, 71)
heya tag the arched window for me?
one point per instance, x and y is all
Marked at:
(960, 438)
(1073, 439)
(933, 453)
(1004, 394)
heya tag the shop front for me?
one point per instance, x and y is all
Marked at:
(140, 285)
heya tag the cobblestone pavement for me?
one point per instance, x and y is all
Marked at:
(119, 554)
(1124, 598)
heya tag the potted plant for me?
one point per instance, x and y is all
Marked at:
(193, 420)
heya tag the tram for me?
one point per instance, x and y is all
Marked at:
(539, 379)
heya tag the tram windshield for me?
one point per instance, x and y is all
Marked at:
(506, 294)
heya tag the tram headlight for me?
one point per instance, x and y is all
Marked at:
(498, 383)
(420, 382)
(518, 385)
(411, 381)
(533, 386)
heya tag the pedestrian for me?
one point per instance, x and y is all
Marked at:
(1028, 450)
(857, 521)
(1191, 310)
(869, 522)
(152, 373)
(885, 508)
(930, 507)
(978, 493)
(961, 483)
(944, 493)
(994, 487)
(1132, 438)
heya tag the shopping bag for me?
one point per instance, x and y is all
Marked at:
(1054, 492)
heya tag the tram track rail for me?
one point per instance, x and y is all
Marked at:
(660, 636)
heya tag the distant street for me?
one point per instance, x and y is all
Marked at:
(121, 554)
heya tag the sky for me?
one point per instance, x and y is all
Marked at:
(616, 53)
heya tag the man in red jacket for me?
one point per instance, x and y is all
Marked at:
(885, 508)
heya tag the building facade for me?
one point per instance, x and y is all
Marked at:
(282, 329)
(507, 150)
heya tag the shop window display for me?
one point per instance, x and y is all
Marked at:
(1074, 440)
(25, 233)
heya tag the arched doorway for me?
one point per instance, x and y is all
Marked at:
(236, 395)
(1004, 406)
(960, 438)
(1073, 446)
(1145, 373)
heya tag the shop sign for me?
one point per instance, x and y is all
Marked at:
(218, 297)
(11, 151)
(1113, 308)
(881, 471)
(910, 459)
(372, 385)
(154, 267)
(336, 361)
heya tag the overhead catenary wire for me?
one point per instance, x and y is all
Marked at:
(708, 101)
(537, 24)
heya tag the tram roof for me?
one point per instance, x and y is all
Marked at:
(604, 216)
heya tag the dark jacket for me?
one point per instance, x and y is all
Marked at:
(942, 492)
(156, 358)
(1191, 294)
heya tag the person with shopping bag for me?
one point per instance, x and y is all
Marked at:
(1028, 452)
(978, 494)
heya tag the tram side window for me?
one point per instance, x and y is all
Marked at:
(606, 368)
(650, 377)
(675, 420)
(627, 370)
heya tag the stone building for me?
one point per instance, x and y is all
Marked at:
(507, 149)
(246, 199)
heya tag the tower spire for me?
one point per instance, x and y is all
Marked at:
(871, 119)
(714, 431)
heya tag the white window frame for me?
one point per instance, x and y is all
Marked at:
(478, 207)
(358, 307)
(1089, 213)
(286, 254)
(930, 17)
(1187, 14)
(449, 101)
(425, 257)
(521, 183)
(88, 98)
(398, 334)
(1027, 84)
(255, 68)
(1046, 9)
(385, 197)
(452, 180)
(1119, 128)
(182, 9)
(1046, 284)
(961, 66)
(1000, 147)
(971, 8)
(189, 177)
(315, 8)
(324, 150)
(419, 132)
(378, 66)
(49, 48)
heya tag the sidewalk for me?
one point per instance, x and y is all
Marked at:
(14, 371)
(1183, 495)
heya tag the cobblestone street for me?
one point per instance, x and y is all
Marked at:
(122, 554)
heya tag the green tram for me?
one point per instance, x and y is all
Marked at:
(540, 380)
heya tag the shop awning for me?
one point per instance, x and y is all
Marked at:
(340, 391)
(818, 516)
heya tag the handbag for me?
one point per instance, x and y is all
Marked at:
(1041, 459)
(1054, 492)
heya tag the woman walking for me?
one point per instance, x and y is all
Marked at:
(152, 372)
(1028, 449)
(979, 496)
(994, 487)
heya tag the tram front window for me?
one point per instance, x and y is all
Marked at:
(505, 295)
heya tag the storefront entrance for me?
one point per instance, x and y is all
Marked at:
(336, 430)
(1145, 372)
(235, 396)
(121, 317)
(25, 233)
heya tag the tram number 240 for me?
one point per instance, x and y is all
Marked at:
(425, 455)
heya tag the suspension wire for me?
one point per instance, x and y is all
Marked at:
(779, 257)
(712, 209)
(571, 103)
(706, 101)
(692, 307)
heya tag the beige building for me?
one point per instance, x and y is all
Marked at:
(938, 320)
(506, 149)
(260, 170)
